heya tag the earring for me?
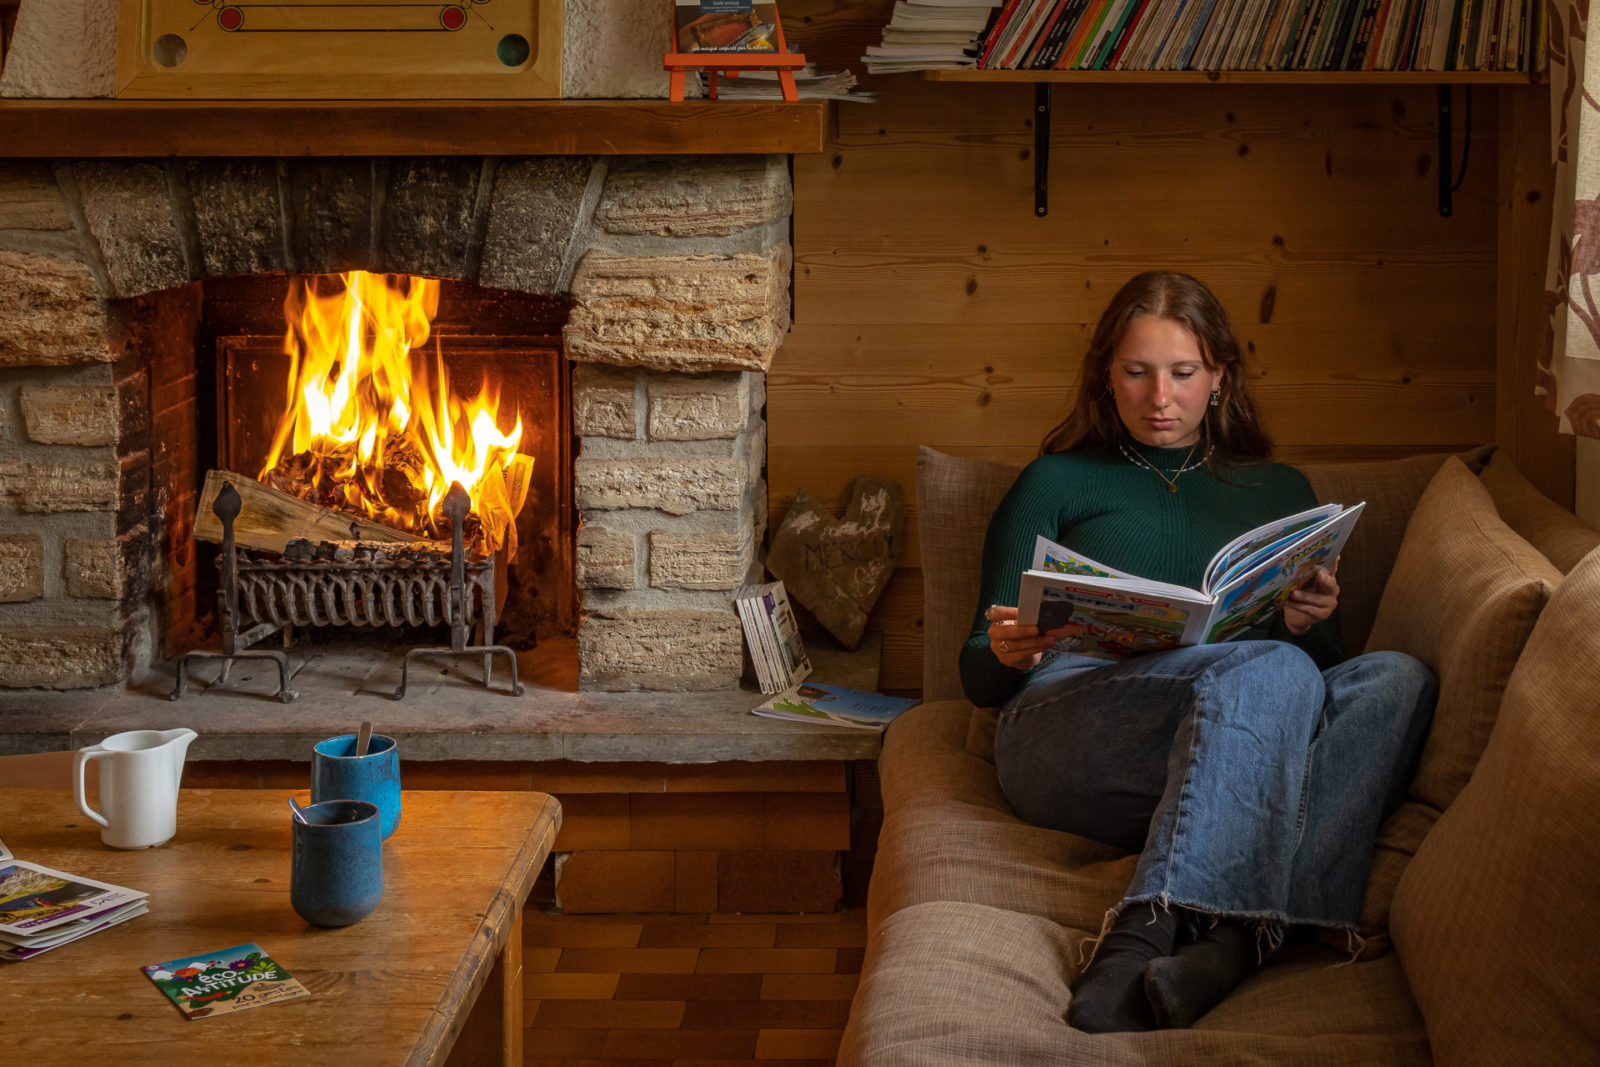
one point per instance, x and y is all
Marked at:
(1216, 397)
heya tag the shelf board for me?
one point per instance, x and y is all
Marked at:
(135, 128)
(1244, 77)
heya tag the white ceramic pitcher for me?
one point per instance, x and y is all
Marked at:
(139, 775)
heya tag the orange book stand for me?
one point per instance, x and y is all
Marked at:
(730, 64)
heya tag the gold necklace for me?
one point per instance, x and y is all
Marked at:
(1172, 483)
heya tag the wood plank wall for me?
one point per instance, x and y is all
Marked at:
(932, 307)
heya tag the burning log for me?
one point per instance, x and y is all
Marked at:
(270, 518)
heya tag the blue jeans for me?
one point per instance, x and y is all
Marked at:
(1251, 783)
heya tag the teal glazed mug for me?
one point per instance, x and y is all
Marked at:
(337, 773)
(336, 863)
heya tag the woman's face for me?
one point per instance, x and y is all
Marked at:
(1161, 382)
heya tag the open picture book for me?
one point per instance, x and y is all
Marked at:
(1100, 611)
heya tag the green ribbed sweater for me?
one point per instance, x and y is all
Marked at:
(1102, 505)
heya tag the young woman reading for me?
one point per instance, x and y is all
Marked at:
(1250, 776)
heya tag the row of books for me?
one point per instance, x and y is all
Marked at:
(931, 35)
(1301, 35)
(42, 909)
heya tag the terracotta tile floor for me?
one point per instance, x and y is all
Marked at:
(688, 990)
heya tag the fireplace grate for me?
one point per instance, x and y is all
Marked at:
(377, 586)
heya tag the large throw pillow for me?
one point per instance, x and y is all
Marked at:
(955, 499)
(1557, 533)
(1463, 598)
(1391, 489)
(1496, 919)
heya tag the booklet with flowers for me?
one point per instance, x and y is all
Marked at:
(232, 979)
(39, 904)
(1096, 610)
(835, 705)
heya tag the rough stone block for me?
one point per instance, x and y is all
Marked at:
(771, 882)
(700, 408)
(130, 217)
(427, 216)
(94, 569)
(611, 49)
(838, 567)
(679, 196)
(694, 313)
(603, 402)
(330, 204)
(674, 651)
(533, 213)
(21, 567)
(605, 559)
(237, 219)
(50, 316)
(30, 199)
(678, 561)
(49, 487)
(601, 882)
(70, 415)
(60, 657)
(677, 486)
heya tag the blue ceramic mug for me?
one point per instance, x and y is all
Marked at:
(337, 773)
(336, 862)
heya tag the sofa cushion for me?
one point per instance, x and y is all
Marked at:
(963, 984)
(1391, 489)
(1463, 598)
(1501, 897)
(1557, 533)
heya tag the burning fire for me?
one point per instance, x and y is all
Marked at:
(371, 428)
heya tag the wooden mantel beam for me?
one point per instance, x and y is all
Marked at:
(138, 128)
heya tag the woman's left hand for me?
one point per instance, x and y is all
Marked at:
(1312, 602)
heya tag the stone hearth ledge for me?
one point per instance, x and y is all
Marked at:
(456, 721)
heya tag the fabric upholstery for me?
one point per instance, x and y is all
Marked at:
(1464, 596)
(955, 498)
(1495, 921)
(1557, 533)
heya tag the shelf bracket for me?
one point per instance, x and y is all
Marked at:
(1041, 149)
(1446, 162)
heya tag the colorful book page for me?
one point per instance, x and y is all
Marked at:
(229, 980)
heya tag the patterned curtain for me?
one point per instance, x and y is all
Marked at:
(1569, 366)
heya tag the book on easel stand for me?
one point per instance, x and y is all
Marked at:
(726, 37)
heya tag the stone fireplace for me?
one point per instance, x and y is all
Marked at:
(662, 281)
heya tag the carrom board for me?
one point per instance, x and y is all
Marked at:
(339, 49)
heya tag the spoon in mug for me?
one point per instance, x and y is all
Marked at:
(299, 816)
(363, 739)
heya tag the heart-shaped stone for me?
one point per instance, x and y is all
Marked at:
(838, 568)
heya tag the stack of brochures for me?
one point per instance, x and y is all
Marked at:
(1096, 610)
(774, 639)
(835, 706)
(42, 909)
(930, 35)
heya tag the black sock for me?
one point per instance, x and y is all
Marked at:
(1185, 985)
(1109, 995)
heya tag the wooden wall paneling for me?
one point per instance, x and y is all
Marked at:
(1525, 428)
(931, 306)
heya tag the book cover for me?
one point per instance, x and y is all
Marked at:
(34, 899)
(22, 948)
(232, 979)
(1115, 615)
(726, 26)
(835, 705)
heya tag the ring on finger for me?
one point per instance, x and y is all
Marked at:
(1005, 646)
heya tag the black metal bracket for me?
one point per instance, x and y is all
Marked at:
(1446, 154)
(1041, 149)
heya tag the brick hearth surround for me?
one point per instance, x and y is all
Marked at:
(678, 273)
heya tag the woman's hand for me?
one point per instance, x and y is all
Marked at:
(1312, 602)
(1018, 647)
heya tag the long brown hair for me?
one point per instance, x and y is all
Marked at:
(1231, 429)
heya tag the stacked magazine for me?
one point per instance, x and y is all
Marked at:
(1096, 610)
(42, 909)
(774, 638)
(930, 35)
(835, 706)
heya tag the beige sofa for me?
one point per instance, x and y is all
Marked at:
(1482, 916)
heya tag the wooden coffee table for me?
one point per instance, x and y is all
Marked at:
(433, 976)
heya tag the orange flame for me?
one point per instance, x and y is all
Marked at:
(369, 428)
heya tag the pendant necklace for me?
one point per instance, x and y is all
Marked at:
(1172, 483)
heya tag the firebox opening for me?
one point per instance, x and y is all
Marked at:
(476, 356)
